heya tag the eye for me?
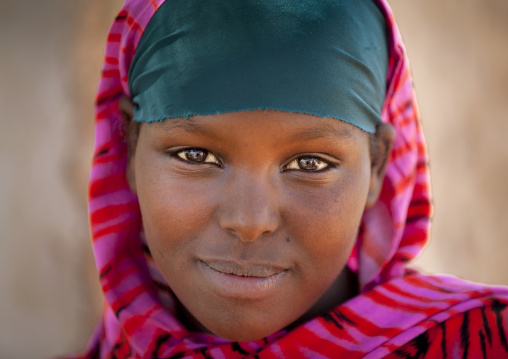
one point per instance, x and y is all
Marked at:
(307, 163)
(198, 155)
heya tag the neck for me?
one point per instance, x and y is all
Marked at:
(342, 289)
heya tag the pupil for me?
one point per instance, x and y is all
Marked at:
(196, 155)
(309, 163)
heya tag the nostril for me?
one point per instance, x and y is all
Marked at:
(247, 234)
(231, 231)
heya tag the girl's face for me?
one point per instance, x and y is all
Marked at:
(251, 216)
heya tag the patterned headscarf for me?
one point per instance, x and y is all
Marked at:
(395, 305)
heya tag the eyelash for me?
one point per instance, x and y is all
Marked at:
(294, 164)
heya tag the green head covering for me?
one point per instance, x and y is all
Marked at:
(327, 58)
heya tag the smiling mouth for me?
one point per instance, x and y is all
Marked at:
(242, 281)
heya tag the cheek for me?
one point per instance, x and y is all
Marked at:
(327, 229)
(173, 213)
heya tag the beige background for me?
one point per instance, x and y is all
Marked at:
(50, 54)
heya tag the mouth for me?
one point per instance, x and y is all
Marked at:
(249, 281)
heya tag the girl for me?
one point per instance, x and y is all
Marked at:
(260, 184)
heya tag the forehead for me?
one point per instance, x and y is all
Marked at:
(277, 124)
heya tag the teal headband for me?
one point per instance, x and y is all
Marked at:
(327, 58)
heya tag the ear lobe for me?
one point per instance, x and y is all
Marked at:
(380, 153)
(126, 107)
(130, 175)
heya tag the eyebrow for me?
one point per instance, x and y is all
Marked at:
(188, 124)
(323, 130)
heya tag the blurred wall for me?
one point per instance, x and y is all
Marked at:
(459, 56)
(50, 58)
(50, 55)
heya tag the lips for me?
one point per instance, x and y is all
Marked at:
(245, 281)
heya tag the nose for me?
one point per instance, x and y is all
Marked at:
(249, 208)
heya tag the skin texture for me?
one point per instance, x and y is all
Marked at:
(251, 216)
